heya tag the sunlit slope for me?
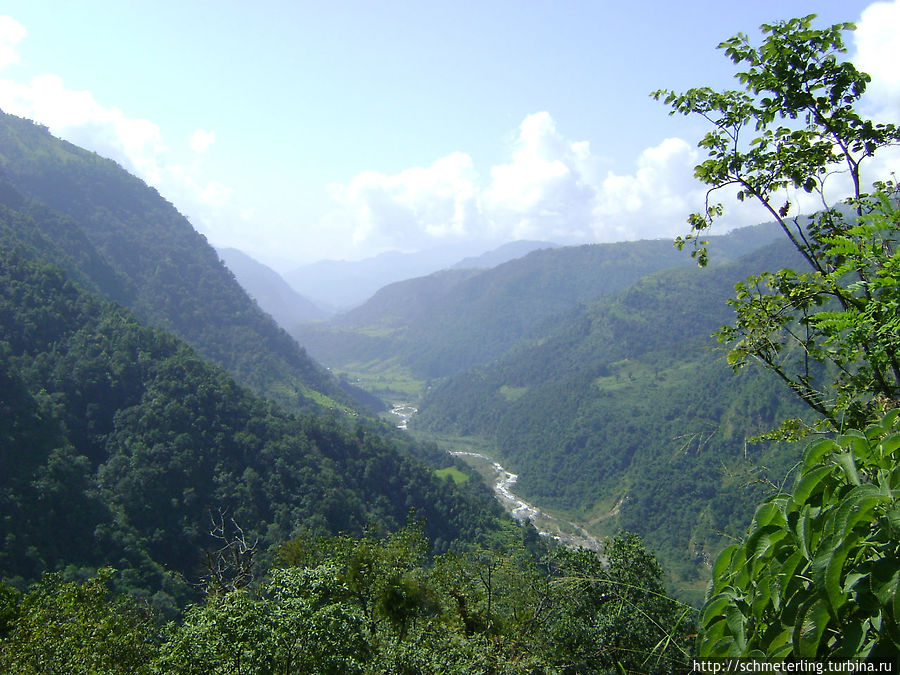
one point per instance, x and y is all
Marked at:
(626, 413)
(111, 231)
(454, 320)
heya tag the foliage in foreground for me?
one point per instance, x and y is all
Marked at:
(819, 572)
(817, 575)
(372, 605)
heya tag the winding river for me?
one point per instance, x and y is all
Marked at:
(568, 533)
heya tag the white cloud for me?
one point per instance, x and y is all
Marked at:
(201, 140)
(878, 53)
(551, 188)
(76, 116)
(11, 34)
(135, 143)
(545, 190)
(410, 208)
(655, 199)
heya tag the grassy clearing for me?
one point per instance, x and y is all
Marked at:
(512, 393)
(449, 442)
(388, 380)
(453, 473)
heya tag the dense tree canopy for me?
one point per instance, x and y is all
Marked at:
(373, 605)
(119, 443)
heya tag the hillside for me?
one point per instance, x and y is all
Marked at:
(270, 291)
(119, 237)
(444, 324)
(120, 445)
(626, 414)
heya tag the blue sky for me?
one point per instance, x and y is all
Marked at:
(298, 130)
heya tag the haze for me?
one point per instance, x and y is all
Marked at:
(302, 131)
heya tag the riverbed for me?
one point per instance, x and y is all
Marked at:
(502, 482)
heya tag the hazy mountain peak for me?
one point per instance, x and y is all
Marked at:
(271, 292)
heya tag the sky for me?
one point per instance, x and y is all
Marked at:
(299, 131)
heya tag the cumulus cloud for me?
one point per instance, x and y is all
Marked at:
(654, 199)
(550, 188)
(877, 53)
(201, 140)
(11, 34)
(409, 209)
(545, 190)
(75, 115)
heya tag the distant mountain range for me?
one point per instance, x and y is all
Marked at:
(339, 285)
(502, 254)
(271, 292)
(447, 322)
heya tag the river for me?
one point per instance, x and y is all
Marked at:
(502, 482)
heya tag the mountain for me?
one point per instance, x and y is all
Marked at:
(120, 445)
(626, 414)
(271, 292)
(119, 237)
(502, 254)
(446, 323)
(343, 284)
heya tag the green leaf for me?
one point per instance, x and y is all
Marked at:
(761, 541)
(884, 581)
(803, 531)
(766, 513)
(847, 462)
(780, 645)
(788, 571)
(890, 443)
(808, 482)
(826, 570)
(736, 622)
(713, 609)
(723, 561)
(812, 621)
(856, 506)
(853, 634)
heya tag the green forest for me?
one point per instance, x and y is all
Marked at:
(629, 406)
(184, 490)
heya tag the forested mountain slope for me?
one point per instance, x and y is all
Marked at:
(109, 230)
(271, 292)
(626, 414)
(118, 443)
(470, 317)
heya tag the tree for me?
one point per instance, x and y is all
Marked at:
(74, 627)
(299, 621)
(613, 614)
(816, 575)
(830, 332)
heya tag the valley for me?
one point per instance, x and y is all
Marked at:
(502, 483)
(480, 421)
(615, 407)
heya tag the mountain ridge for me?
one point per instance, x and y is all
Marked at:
(152, 261)
(480, 314)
